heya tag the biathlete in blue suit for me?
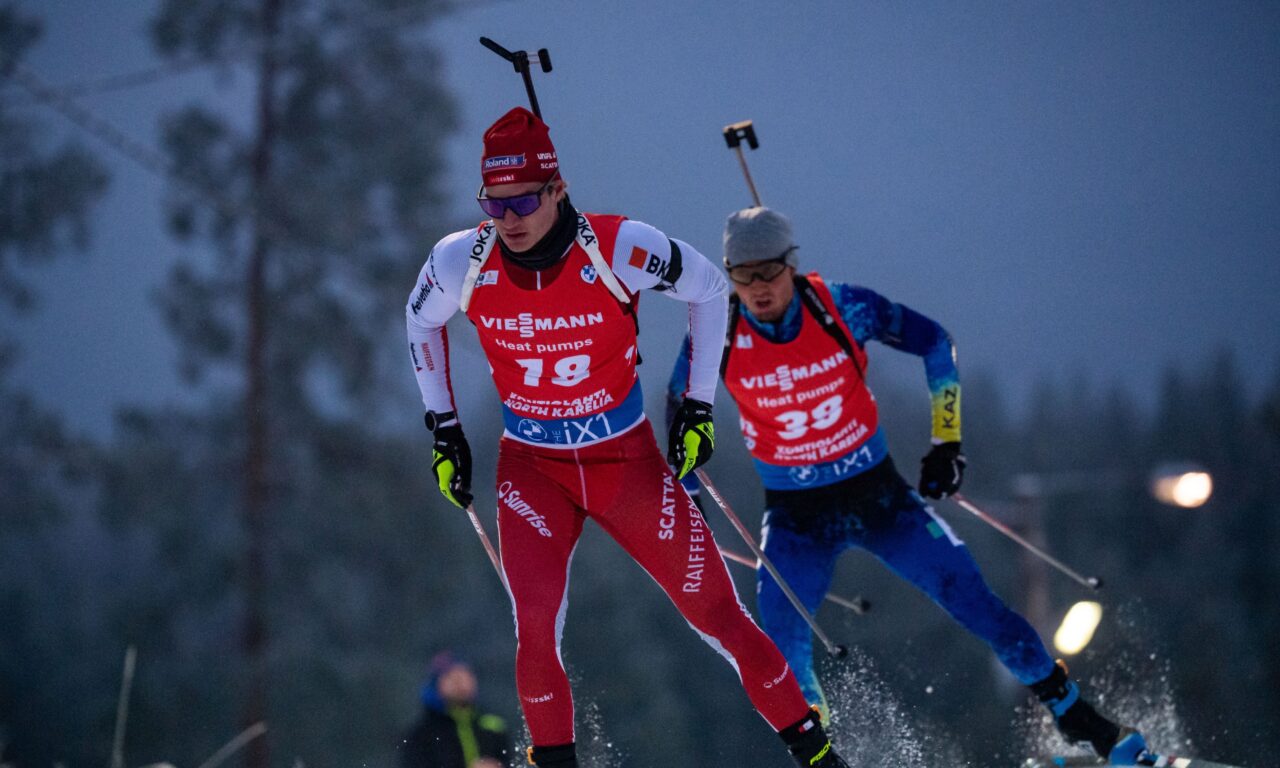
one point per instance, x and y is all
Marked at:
(794, 362)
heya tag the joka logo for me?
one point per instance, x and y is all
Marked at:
(744, 341)
(589, 274)
(487, 277)
(481, 246)
(585, 233)
(503, 161)
(649, 262)
(806, 475)
(531, 430)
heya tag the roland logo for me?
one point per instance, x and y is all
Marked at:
(503, 161)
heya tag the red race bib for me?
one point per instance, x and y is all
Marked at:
(804, 401)
(559, 343)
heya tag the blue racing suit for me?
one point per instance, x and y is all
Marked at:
(806, 527)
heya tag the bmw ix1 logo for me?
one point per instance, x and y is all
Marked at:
(805, 475)
(531, 430)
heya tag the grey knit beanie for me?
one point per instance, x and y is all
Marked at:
(757, 234)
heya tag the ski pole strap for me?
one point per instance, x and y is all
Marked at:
(480, 251)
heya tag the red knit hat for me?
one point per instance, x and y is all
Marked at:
(517, 149)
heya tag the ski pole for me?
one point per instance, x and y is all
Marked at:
(858, 604)
(1092, 582)
(836, 651)
(733, 136)
(122, 706)
(520, 60)
(233, 746)
(488, 545)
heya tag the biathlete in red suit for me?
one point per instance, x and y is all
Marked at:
(552, 294)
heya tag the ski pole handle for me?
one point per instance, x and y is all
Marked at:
(520, 60)
(1092, 582)
(837, 651)
(734, 135)
(498, 49)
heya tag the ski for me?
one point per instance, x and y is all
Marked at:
(1171, 761)
(1062, 762)
(1155, 761)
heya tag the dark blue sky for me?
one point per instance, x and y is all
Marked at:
(1075, 190)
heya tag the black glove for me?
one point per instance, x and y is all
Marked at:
(692, 437)
(942, 471)
(450, 458)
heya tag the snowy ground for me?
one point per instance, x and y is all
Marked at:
(872, 728)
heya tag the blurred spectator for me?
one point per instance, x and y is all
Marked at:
(451, 732)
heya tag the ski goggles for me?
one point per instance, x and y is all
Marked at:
(521, 205)
(767, 270)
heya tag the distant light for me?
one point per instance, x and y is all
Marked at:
(1077, 627)
(1193, 489)
(1187, 487)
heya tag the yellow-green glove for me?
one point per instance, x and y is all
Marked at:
(692, 437)
(450, 458)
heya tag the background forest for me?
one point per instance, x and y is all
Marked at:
(271, 543)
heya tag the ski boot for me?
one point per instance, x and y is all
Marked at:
(809, 744)
(561, 756)
(1080, 723)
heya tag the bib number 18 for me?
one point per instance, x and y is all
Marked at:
(569, 370)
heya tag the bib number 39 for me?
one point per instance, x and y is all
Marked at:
(568, 370)
(824, 415)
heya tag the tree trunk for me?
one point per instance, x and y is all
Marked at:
(257, 453)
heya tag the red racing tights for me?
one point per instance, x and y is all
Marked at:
(624, 484)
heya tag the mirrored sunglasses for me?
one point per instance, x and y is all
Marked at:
(522, 205)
